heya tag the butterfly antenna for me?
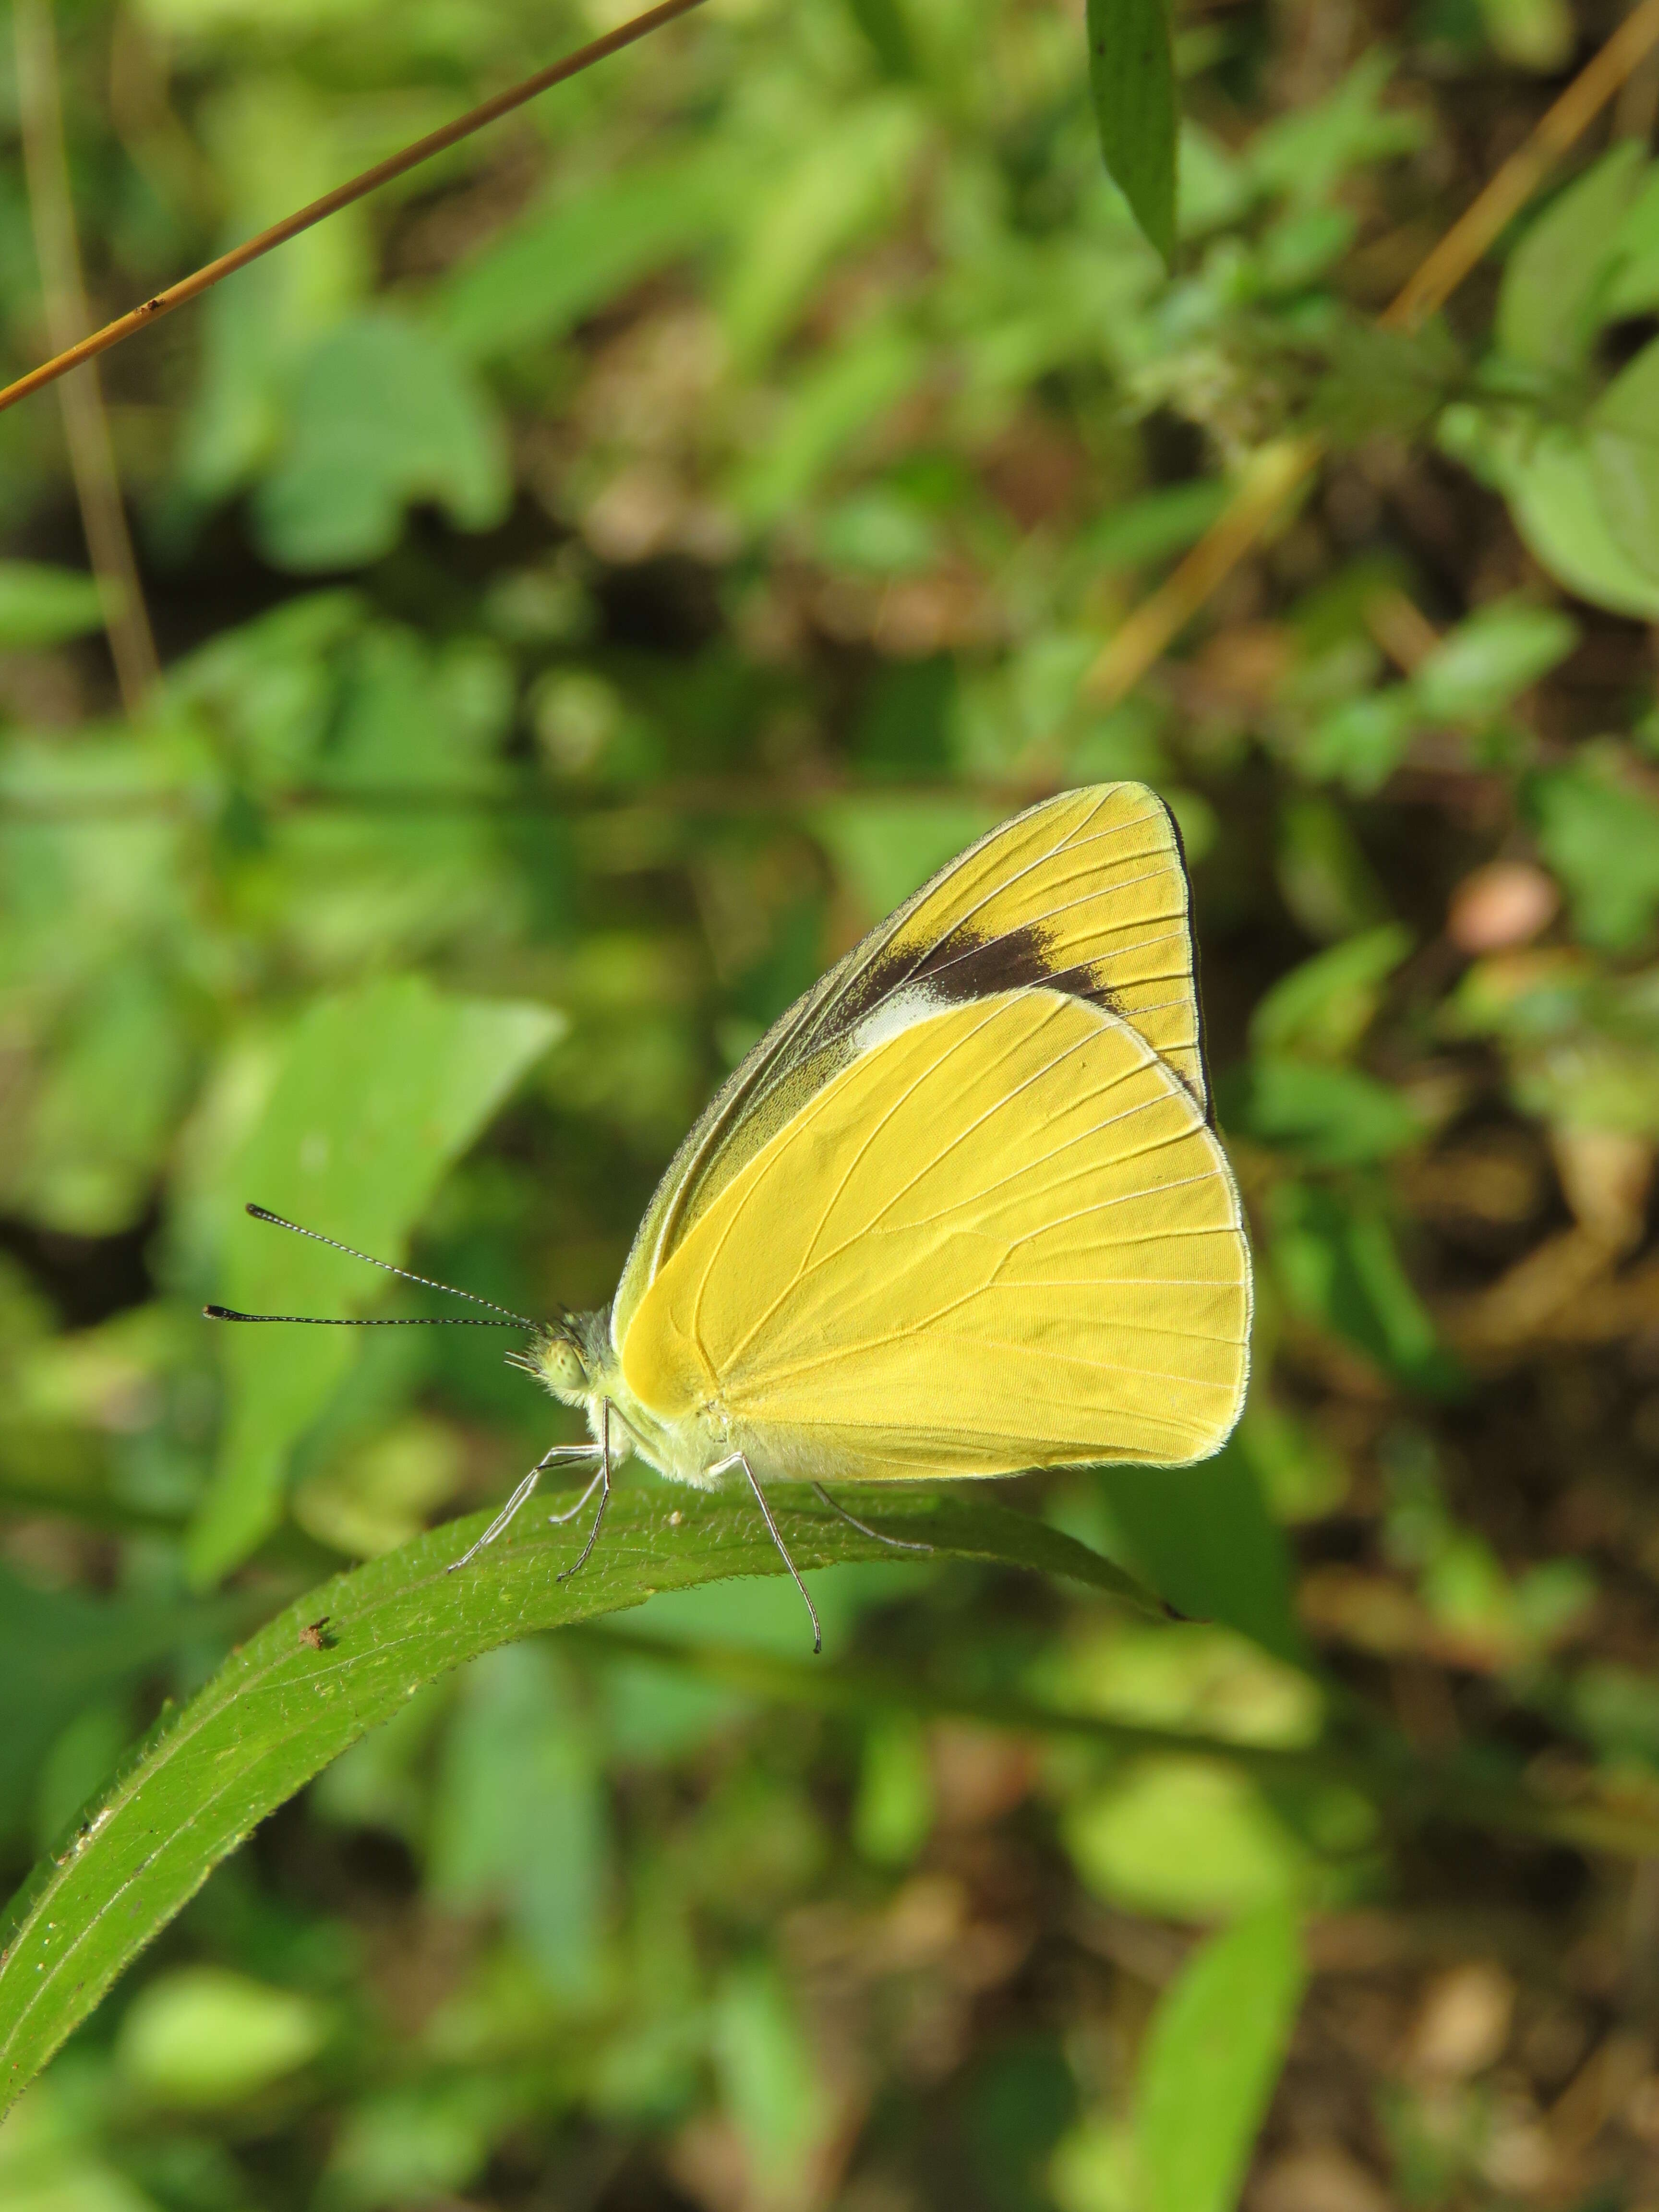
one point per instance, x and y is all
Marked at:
(509, 1319)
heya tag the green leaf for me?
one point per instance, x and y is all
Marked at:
(518, 1761)
(888, 847)
(1321, 1009)
(1213, 2053)
(61, 1652)
(1306, 154)
(1550, 477)
(1187, 1838)
(768, 2083)
(1325, 880)
(1336, 1262)
(382, 416)
(295, 1695)
(885, 25)
(1361, 742)
(1331, 1116)
(203, 2038)
(1296, 250)
(1624, 443)
(380, 1090)
(1600, 833)
(844, 391)
(1547, 308)
(560, 264)
(1490, 659)
(1154, 526)
(895, 1806)
(43, 605)
(1633, 288)
(1204, 1538)
(1131, 74)
(1533, 34)
(844, 184)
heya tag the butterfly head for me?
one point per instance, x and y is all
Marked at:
(564, 1358)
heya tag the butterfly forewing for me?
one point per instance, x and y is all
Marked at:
(1085, 895)
(1003, 1236)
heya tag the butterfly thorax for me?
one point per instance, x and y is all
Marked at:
(576, 1360)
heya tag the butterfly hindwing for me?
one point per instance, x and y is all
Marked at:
(1001, 1236)
(1085, 895)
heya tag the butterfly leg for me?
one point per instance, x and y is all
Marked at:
(603, 1480)
(558, 1520)
(521, 1497)
(898, 1543)
(738, 1459)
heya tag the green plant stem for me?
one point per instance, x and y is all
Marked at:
(1386, 1770)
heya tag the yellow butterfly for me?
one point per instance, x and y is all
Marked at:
(961, 1212)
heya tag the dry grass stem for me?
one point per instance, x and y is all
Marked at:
(1159, 619)
(86, 423)
(396, 165)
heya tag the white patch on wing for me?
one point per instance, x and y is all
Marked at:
(901, 1010)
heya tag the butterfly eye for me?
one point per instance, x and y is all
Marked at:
(560, 1365)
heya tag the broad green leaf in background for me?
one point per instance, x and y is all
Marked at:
(1188, 1838)
(1323, 874)
(1329, 1116)
(276, 140)
(1305, 154)
(1213, 2052)
(1548, 307)
(559, 264)
(1155, 525)
(106, 1103)
(1335, 1259)
(1491, 659)
(821, 413)
(287, 1702)
(1547, 472)
(1624, 442)
(895, 1808)
(48, 2164)
(1137, 111)
(201, 2038)
(1532, 34)
(844, 183)
(1632, 285)
(43, 605)
(518, 1760)
(1216, 188)
(886, 848)
(768, 2081)
(1554, 490)
(886, 25)
(381, 415)
(379, 1091)
(1600, 833)
(269, 689)
(59, 1650)
(1203, 1537)
(1361, 742)
(1321, 1009)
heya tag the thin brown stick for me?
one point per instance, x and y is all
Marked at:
(395, 164)
(1269, 484)
(1153, 626)
(1560, 128)
(62, 291)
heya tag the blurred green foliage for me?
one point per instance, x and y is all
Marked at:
(595, 580)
